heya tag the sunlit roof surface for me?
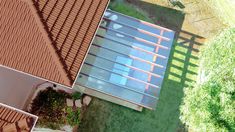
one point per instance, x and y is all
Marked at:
(128, 59)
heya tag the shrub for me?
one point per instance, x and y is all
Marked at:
(49, 106)
(210, 105)
(76, 95)
(73, 116)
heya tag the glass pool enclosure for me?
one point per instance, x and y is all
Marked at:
(127, 59)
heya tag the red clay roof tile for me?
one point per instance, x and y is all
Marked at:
(49, 39)
(22, 44)
(72, 25)
(10, 118)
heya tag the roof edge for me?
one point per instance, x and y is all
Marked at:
(34, 117)
(21, 125)
(97, 28)
(54, 54)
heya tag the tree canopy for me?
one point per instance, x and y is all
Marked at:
(209, 105)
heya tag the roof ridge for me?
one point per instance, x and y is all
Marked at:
(52, 50)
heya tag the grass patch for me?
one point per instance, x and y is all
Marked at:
(73, 116)
(129, 10)
(160, 15)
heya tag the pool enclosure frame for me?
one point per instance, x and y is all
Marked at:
(126, 62)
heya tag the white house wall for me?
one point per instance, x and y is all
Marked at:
(15, 87)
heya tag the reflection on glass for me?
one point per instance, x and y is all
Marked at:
(127, 60)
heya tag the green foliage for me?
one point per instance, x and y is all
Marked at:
(49, 105)
(76, 95)
(210, 105)
(73, 116)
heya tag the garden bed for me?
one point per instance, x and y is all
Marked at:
(53, 111)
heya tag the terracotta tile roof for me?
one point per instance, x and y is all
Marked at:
(48, 38)
(12, 120)
(22, 44)
(71, 25)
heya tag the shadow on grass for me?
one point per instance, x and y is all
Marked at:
(181, 71)
(162, 16)
(184, 58)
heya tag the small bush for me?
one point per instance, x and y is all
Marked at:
(49, 105)
(76, 95)
(73, 116)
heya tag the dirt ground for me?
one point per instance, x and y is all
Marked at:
(196, 18)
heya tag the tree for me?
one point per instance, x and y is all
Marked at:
(209, 104)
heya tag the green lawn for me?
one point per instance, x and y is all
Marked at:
(182, 70)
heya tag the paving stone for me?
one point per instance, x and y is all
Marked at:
(86, 100)
(78, 103)
(69, 102)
